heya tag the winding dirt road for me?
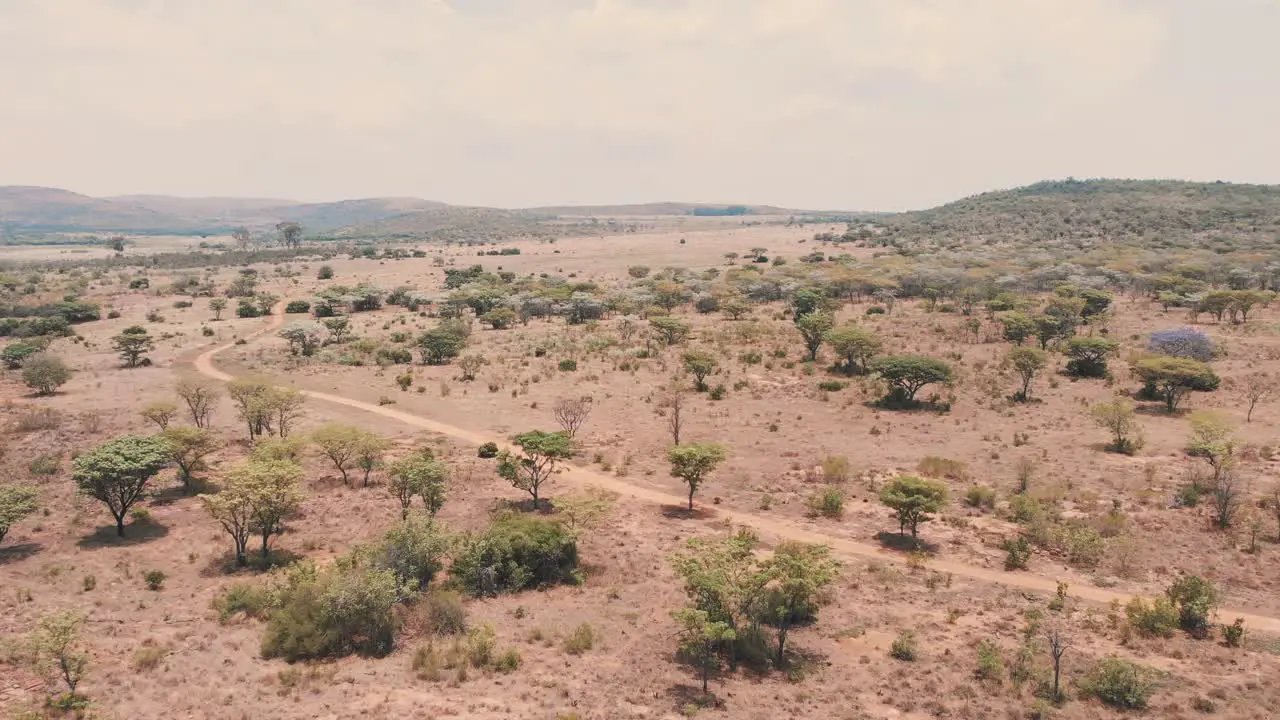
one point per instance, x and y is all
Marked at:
(771, 527)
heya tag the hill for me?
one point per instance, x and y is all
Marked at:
(661, 208)
(204, 209)
(325, 217)
(39, 209)
(1155, 212)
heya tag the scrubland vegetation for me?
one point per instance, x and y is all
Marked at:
(1011, 457)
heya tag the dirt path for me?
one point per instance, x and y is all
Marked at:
(767, 526)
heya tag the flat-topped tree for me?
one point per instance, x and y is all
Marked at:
(132, 344)
(692, 463)
(117, 472)
(907, 374)
(540, 452)
(856, 346)
(1173, 378)
(15, 504)
(914, 500)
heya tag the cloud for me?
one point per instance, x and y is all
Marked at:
(842, 103)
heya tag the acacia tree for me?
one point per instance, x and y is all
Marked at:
(540, 452)
(693, 462)
(369, 454)
(59, 652)
(856, 346)
(913, 499)
(116, 473)
(1027, 362)
(1017, 327)
(256, 497)
(160, 412)
(906, 374)
(132, 344)
(218, 306)
(813, 327)
(672, 330)
(796, 576)
(470, 365)
(290, 234)
(1118, 417)
(16, 503)
(1173, 378)
(418, 475)
(700, 364)
(200, 396)
(1256, 388)
(1089, 356)
(187, 448)
(572, 413)
(700, 641)
(341, 444)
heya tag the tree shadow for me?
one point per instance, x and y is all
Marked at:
(905, 543)
(682, 512)
(225, 564)
(134, 534)
(1157, 409)
(22, 551)
(907, 406)
(683, 695)
(174, 493)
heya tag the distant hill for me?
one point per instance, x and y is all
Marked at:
(661, 208)
(451, 222)
(38, 209)
(1159, 212)
(326, 217)
(205, 209)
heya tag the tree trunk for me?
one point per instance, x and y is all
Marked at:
(120, 525)
(706, 671)
(266, 549)
(782, 644)
(691, 488)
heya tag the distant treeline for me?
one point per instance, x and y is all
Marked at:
(722, 212)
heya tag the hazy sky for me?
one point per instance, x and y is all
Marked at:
(850, 104)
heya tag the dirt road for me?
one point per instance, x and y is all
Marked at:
(766, 526)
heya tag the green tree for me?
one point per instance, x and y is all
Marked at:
(913, 499)
(45, 373)
(1173, 378)
(418, 475)
(672, 330)
(1089, 356)
(906, 374)
(1196, 599)
(856, 346)
(187, 448)
(256, 497)
(290, 234)
(16, 503)
(540, 452)
(813, 327)
(1027, 362)
(218, 306)
(700, 641)
(160, 412)
(700, 364)
(693, 462)
(1053, 328)
(1017, 327)
(303, 338)
(200, 396)
(132, 344)
(721, 577)
(58, 650)
(735, 308)
(797, 576)
(806, 302)
(500, 318)
(1213, 440)
(116, 473)
(1118, 416)
(341, 444)
(441, 344)
(15, 354)
(369, 454)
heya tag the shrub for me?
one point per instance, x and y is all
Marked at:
(980, 496)
(568, 365)
(904, 646)
(252, 599)
(394, 356)
(836, 469)
(875, 310)
(515, 553)
(1017, 552)
(582, 640)
(154, 579)
(413, 551)
(1158, 618)
(487, 451)
(325, 273)
(441, 612)
(331, 613)
(45, 373)
(1195, 598)
(940, 467)
(247, 309)
(832, 385)
(718, 392)
(297, 306)
(828, 503)
(1183, 343)
(990, 662)
(1233, 634)
(1120, 683)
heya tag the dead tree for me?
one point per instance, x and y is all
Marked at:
(675, 415)
(572, 414)
(1058, 645)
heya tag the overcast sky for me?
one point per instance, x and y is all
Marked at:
(848, 104)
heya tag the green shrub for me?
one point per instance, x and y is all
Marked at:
(904, 646)
(1120, 683)
(875, 310)
(1233, 634)
(487, 451)
(582, 640)
(412, 550)
(1158, 618)
(832, 385)
(296, 307)
(990, 661)
(827, 503)
(441, 612)
(568, 365)
(1195, 598)
(507, 662)
(325, 273)
(1017, 552)
(394, 356)
(980, 496)
(515, 553)
(332, 613)
(154, 579)
(718, 392)
(246, 309)
(46, 464)
(252, 599)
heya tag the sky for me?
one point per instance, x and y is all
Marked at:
(825, 104)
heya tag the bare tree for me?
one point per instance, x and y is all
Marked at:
(1228, 493)
(1275, 508)
(572, 413)
(242, 237)
(200, 397)
(674, 405)
(1256, 388)
(1058, 645)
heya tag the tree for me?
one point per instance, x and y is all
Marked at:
(1229, 489)
(160, 412)
(906, 374)
(218, 306)
(242, 237)
(1118, 417)
(1017, 327)
(440, 345)
(1213, 439)
(541, 451)
(913, 499)
(700, 641)
(672, 330)
(1256, 388)
(200, 397)
(693, 462)
(1026, 362)
(1053, 328)
(45, 373)
(286, 405)
(132, 344)
(422, 475)
(1173, 378)
(255, 499)
(856, 345)
(15, 354)
(1058, 646)
(116, 473)
(341, 444)
(673, 405)
(58, 650)
(187, 448)
(369, 454)
(303, 338)
(1089, 356)
(735, 308)
(290, 234)
(806, 302)
(1182, 343)
(700, 364)
(796, 576)
(722, 578)
(500, 318)
(16, 503)
(1195, 598)
(572, 413)
(470, 365)
(812, 328)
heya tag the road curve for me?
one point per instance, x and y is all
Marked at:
(775, 528)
